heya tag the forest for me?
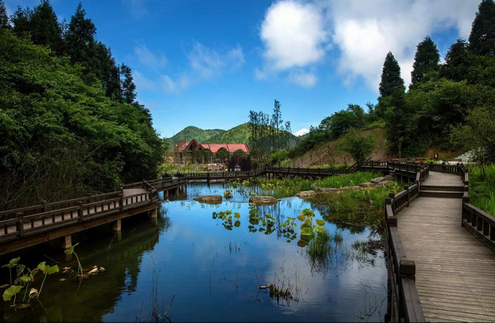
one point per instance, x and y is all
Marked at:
(69, 120)
(448, 106)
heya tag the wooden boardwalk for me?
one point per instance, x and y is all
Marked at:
(455, 272)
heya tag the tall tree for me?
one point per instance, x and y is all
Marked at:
(21, 20)
(456, 61)
(391, 78)
(4, 19)
(128, 86)
(44, 27)
(80, 41)
(482, 37)
(426, 60)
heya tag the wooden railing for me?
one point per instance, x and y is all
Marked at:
(475, 220)
(22, 222)
(403, 298)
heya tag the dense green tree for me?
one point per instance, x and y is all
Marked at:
(357, 145)
(21, 21)
(128, 86)
(4, 19)
(44, 27)
(391, 78)
(222, 154)
(337, 124)
(103, 66)
(80, 38)
(426, 60)
(61, 137)
(457, 61)
(482, 37)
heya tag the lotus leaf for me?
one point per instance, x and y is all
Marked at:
(10, 292)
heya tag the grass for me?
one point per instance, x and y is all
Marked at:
(187, 168)
(281, 188)
(482, 188)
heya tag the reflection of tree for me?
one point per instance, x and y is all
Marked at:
(91, 299)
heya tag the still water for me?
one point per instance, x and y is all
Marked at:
(212, 271)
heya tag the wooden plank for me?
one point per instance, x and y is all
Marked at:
(455, 272)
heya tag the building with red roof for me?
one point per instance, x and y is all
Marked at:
(183, 152)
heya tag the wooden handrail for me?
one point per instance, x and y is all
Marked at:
(402, 270)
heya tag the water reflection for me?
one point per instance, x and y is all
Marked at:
(213, 268)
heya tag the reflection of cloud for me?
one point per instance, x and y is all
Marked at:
(193, 256)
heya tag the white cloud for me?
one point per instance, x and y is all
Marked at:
(301, 132)
(307, 80)
(142, 82)
(207, 62)
(293, 35)
(204, 64)
(365, 31)
(137, 7)
(149, 59)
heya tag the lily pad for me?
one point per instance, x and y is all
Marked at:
(10, 292)
(320, 222)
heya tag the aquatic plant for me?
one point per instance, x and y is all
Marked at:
(70, 251)
(227, 194)
(24, 279)
(319, 248)
(308, 227)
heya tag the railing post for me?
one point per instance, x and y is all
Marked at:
(80, 211)
(407, 269)
(406, 188)
(388, 201)
(45, 205)
(20, 224)
(121, 197)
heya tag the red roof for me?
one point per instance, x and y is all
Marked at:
(230, 147)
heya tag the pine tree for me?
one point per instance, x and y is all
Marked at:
(4, 19)
(390, 76)
(128, 86)
(426, 60)
(21, 20)
(456, 61)
(80, 41)
(45, 29)
(482, 37)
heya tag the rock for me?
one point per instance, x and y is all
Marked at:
(209, 199)
(351, 188)
(262, 200)
(377, 180)
(305, 194)
(366, 185)
(328, 190)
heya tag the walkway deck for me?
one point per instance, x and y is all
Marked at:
(455, 273)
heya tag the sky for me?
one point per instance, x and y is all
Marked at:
(208, 63)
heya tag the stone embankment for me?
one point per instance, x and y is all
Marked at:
(376, 182)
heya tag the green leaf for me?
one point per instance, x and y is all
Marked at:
(10, 292)
(319, 229)
(307, 231)
(12, 263)
(52, 269)
(42, 266)
(48, 269)
(320, 222)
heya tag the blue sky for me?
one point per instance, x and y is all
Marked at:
(207, 63)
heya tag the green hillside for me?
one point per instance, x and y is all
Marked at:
(191, 132)
(240, 135)
(236, 135)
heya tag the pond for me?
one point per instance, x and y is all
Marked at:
(225, 262)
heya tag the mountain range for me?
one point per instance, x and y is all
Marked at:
(237, 135)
